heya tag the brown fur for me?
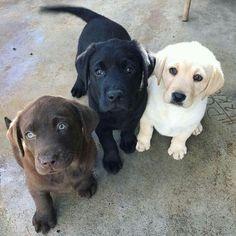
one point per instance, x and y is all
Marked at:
(70, 152)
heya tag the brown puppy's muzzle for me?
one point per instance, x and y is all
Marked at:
(51, 162)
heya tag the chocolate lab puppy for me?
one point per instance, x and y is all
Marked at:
(114, 70)
(51, 140)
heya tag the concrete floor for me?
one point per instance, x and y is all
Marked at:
(153, 194)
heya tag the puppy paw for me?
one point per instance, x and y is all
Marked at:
(127, 144)
(77, 91)
(198, 130)
(112, 164)
(177, 151)
(89, 189)
(142, 146)
(44, 222)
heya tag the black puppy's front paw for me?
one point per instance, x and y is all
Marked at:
(43, 222)
(89, 188)
(78, 91)
(128, 143)
(112, 163)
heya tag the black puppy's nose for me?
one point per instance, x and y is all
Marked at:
(114, 95)
(48, 160)
(178, 97)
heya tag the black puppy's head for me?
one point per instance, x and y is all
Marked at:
(115, 71)
(52, 130)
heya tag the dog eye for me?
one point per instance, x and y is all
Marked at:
(173, 71)
(197, 78)
(129, 69)
(99, 72)
(30, 135)
(61, 126)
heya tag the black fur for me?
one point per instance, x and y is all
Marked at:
(113, 69)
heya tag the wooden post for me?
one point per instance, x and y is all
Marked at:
(187, 4)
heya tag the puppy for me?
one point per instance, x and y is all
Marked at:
(186, 74)
(114, 70)
(51, 140)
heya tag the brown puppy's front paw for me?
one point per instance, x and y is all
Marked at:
(89, 189)
(44, 222)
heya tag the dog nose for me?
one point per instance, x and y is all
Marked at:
(48, 160)
(114, 95)
(178, 97)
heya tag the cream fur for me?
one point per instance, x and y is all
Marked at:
(179, 122)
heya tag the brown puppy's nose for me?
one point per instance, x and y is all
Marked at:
(178, 97)
(114, 95)
(48, 160)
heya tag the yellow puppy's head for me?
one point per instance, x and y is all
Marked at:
(188, 71)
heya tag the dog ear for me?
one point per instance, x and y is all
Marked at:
(14, 135)
(160, 65)
(89, 119)
(148, 63)
(7, 122)
(215, 82)
(82, 64)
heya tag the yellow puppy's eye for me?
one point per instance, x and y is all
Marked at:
(173, 71)
(197, 78)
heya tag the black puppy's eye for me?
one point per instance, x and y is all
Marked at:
(197, 78)
(129, 69)
(61, 126)
(173, 71)
(30, 135)
(99, 72)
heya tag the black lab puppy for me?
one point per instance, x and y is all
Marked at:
(114, 70)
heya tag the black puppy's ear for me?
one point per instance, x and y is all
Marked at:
(14, 135)
(7, 122)
(89, 119)
(82, 64)
(148, 63)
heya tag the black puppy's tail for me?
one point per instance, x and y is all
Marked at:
(84, 13)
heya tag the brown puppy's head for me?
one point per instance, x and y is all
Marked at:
(52, 129)
(188, 71)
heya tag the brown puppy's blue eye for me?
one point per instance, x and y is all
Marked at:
(30, 135)
(173, 71)
(99, 72)
(61, 126)
(197, 78)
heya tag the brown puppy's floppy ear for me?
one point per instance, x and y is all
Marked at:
(7, 122)
(14, 135)
(160, 65)
(215, 82)
(148, 63)
(82, 64)
(89, 119)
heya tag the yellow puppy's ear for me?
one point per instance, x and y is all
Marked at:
(160, 65)
(216, 81)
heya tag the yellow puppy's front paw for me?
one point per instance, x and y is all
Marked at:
(142, 146)
(177, 151)
(198, 130)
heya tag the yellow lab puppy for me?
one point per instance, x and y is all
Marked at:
(186, 74)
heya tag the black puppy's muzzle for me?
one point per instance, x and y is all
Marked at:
(178, 98)
(115, 95)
